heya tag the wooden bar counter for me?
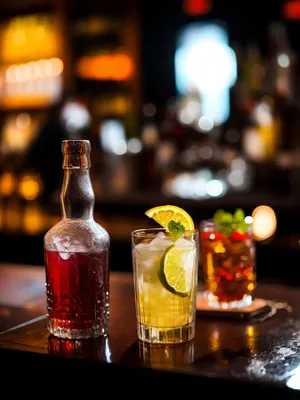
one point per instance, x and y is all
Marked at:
(240, 356)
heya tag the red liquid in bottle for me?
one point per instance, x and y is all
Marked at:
(77, 292)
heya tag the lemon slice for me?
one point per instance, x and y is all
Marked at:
(173, 273)
(164, 214)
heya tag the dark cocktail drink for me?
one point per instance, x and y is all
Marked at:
(77, 291)
(228, 261)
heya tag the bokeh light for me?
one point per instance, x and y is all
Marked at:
(29, 187)
(205, 64)
(7, 184)
(197, 7)
(264, 223)
(118, 67)
(215, 188)
(112, 137)
(134, 145)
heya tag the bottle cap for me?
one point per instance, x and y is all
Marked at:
(76, 154)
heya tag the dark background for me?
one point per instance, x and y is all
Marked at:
(158, 24)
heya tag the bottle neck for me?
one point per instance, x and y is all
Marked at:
(77, 195)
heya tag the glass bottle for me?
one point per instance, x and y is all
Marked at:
(77, 255)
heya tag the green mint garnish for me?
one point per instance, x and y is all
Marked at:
(229, 223)
(176, 229)
(239, 216)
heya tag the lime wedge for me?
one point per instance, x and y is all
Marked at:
(176, 270)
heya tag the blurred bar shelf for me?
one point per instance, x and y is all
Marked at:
(23, 225)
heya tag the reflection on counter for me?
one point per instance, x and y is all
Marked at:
(97, 349)
(166, 356)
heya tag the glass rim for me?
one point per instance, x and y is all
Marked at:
(149, 231)
(207, 222)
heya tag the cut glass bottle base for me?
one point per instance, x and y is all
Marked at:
(56, 328)
(163, 335)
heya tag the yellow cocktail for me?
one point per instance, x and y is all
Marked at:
(165, 277)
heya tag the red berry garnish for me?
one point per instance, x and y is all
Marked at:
(239, 236)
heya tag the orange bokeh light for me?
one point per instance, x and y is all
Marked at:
(124, 67)
(117, 67)
(7, 184)
(29, 187)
